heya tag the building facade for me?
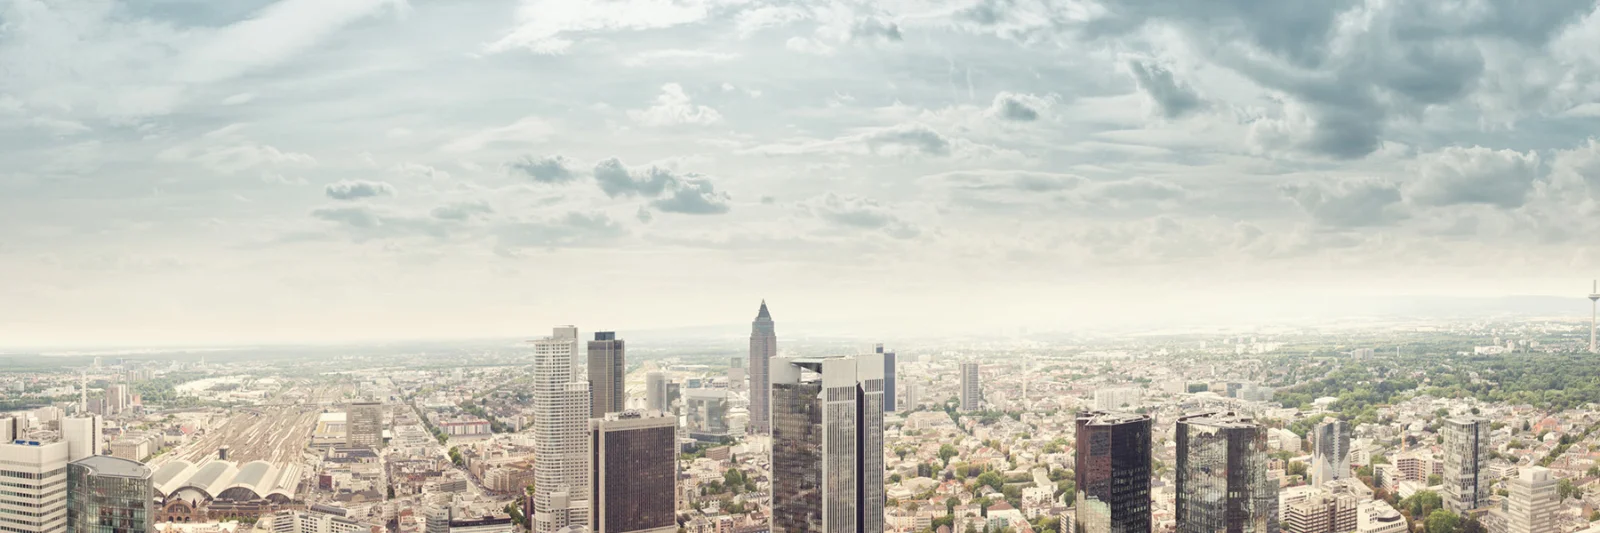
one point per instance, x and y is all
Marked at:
(561, 416)
(364, 424)
(1322, 512)
(889, 390)
(1330, 459)
(1223, 482)
(971, 389)
(763, 347)
(1113, 473)
(706, 413)
(1466, 463)
(635, 473)
(83, 435)
(106, 494)
(1533, 501)
(655, 392)
(827, 445)
(34, 476)
(607, 369)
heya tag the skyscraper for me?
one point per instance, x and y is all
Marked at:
(1330, 457)
(1222, 476)
(560, 422)
(971, 389)
(82, 435)
(635, 473)
(607, 369)
(706, 413)
(763, 347)
(107, 494)
(35, 478)
(827, 445)
(1113, 473)
(888, 380)
(655, 392)
(364, 424)
(1466, 461)
(1533, 502)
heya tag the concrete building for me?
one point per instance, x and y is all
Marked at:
(1223, 483)
(1533, 503)
(1113, 473)
(364, 424)
(1377, 516)
(706, 414)
(608, 368)
(1118, 398)
(827, 445)
(324, 519)
(971, 389)
(655, 392)
(763, 347)
(35, 478)
(1322, 512)
(82, 434)
(1330, 455)
(1466, 464)
(109, 495)
(561, 414)
(635, 473)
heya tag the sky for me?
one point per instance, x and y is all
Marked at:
(212, 171)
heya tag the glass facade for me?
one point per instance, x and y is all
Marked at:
(796, 457)
(634, 487)
(1222, 476)
(109, 495)
(1113, 474)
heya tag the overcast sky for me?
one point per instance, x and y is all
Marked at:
(248, 170)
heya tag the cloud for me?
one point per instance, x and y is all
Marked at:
(1174, 99)
(913, 138)
(677, 58)
(1475, 175)
(274, 34)
(574, 230)
(871, 29)
(548, 169)
(673, 107)
(616, 179)
(461, 210)
(227, 150)
(353, 216)
(1015, 107)
(901, 140)
(694, 197)
(807, 45)
(1011, 180)
(358, 189)
(1353, 203)
(861, 213)
(526, 130)
(1138, 189)
(548, 26)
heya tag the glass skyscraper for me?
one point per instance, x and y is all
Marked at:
(107, 494)
(1223, 482)
(827, 444)
(635, 475)
(1113, 474)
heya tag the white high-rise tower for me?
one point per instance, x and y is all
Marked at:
(1594, 312)
(560, 426)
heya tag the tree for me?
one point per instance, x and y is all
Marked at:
(1565, 489)
(1442, 521)
(1435, 479)
(992, 479)
(1296, 469)
(946, 451)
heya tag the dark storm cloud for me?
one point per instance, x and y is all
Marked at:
(356, 190)
(548, 169)
(1175, 99)
(1348, 204)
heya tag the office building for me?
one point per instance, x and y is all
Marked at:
(1322, 512)
(1118, 398)
(889, 389)
(763, 347)
(82, 435)
(329, 519)
(10, 428)
(971, 389)
(608, 368)
(655, 392)
(706, 414)
(1330, 455)
(1113, 473)
(364, 425)
(1533, 503)
(827, 444)
(1222, 476)
(35, 478)
(107, 494)
(912, 396)
(635, 473)
(1377, 516)
(1466, 463)
(560, 424)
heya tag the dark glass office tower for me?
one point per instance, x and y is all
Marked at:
(1223, 484)
(607, 368)
(107, 494)
(635, 473)
(827, 444)
(763, 347)
(1113, 459)
(888, 380)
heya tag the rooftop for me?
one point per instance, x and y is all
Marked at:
(105, 465)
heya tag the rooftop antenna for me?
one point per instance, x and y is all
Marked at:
(1594, 313)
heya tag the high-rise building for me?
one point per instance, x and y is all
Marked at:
(655, 392)
(763, 347)
(1330, 455)
(913, 396)
(560, 423)
(1322, 512)
(1113, 473)
(1118, 398)
(10, 429)
(971, 389)
(107, 494)
(1466, 463)
(607, 369)
(635, 473)
(888, 380)
(1533, 503)
(34, 476)
(364, 424)
(1224, 485)
(82, 435)
(827, 445)
(706, 413)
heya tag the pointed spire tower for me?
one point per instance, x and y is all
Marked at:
(763, 347)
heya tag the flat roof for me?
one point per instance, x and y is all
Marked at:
(105, 465)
